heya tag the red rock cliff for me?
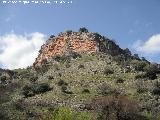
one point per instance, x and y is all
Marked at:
(63, 43)
(79, 42)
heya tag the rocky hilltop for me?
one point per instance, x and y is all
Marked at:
(82, 76)
(79, 42)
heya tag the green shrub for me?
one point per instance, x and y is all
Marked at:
(19, 104)
(52, 36)
(139, 65)
(156, 89)
(31, 90)
(81, 66)
(106, 89)
(50, 77)
(41, 88)
(3, 79)
(62, 82)
(117, 108)
(151, 71)
(119, 59)
(83, 29)
(67, 65)
(136, 56)
(140, 76)
(69, 32)
(85, 91)
(97, 36)
(27, 91)
(127, 52)
(66, 113)
(64, 89)
(141, 87)
(59, 58)
(108, 71)
(3, 114)
(75, 55)
(120, 80)
(33, 78)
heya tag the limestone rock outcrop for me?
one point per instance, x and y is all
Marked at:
(79, 42)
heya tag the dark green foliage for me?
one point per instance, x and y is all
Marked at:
(117, 108)
(50, 77)
(75, 55)
(3, 79)
(62, 82)
(41, 88)
(28, 91)
(151, 75)
(127, 52)
(98, 36)
(106, 89)
(156, 89)
(33, 78)
(59, 58)
(120, 59)
(141, 87)
(136, 56)
(52, 36)
(144, 59)
(3, 114)
(67, 65)
(83, 29)
(69, 32)
(42, 69)
(19, 104)
(23, 73)
(66, 58)
(139, 65)
(31, 90)
(81, 66)
(120, 80)
(85, 91)
(67, 113)
(64, 89)
(140, 76)
(108, 71)
(151, 71)
(44, 62)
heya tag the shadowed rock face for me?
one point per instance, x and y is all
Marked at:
(79, 42)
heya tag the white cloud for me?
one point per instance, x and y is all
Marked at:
(19, 51)
(149, 47)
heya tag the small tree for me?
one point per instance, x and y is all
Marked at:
(52, 36)
(136, 56)
(108, 71)
(83, 30)
(151, 71)
(138, 65)
(69, 32)
(127, 52)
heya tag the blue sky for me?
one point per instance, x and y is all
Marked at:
(132, 23)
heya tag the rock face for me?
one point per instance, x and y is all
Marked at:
(79, 42)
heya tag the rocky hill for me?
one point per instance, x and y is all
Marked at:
(80, 42)
(82, 76)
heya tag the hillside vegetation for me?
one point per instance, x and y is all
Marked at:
(96, 86)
